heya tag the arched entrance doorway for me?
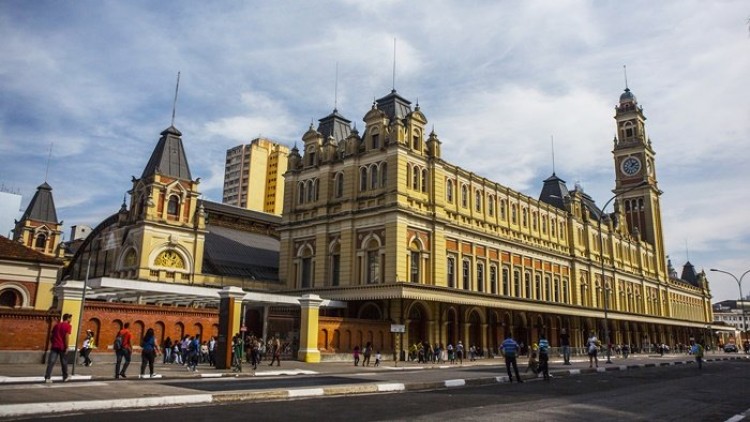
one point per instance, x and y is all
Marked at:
(417, 330)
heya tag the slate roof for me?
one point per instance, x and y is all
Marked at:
(394, 105)
(230, 252)
(14, 251)
(169, 157)
(554, 191)
(42, 206)
(688, 274)
(335, 125)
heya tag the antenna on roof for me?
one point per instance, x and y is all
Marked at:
(394, 64)
(625, 71)
(687, 251)
(336, 89)
(49, 158)
(174, 103)
(552, 141)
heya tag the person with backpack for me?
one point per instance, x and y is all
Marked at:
(697, 350)
(149, 349)
(194, 353)
(510, 350)
(123, 350)
(60, 339)
(544, 356)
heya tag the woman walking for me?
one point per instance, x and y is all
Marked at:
(149, 349)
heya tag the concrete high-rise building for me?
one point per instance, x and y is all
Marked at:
(10, 210)
(254, 176)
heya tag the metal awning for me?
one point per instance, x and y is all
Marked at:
(149, 292)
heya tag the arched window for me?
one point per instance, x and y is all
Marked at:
(478, 201)
(415, 174)
(493, 280)
(556, 290)
(464, 196)
(547, 288)
(372, 263)
(363, 179)
(173, 206)
(565, 297)
(527, 284)
(466, 275)
(383, 175)
(9, 298)
(374, 180)
(525, 217)
(424, 180)
(480, 277)
(41, 241)
(310, 189)
(336, 264)
(506, 282)
(415, 261)
(339, 185)
(416, 144)
(449, 190)
(375, 141)
(301, 192)
(502, 209)
(491, 205)
(517, 283)
(538, 287)
(451, 272)
(513, 213)
(306, 270)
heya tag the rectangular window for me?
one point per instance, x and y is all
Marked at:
(335, 270)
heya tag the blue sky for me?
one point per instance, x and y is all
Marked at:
(495, 78)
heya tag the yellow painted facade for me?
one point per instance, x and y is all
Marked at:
(383, 220)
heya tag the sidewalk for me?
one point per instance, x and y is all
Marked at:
(23, 392)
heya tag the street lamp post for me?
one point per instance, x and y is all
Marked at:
(605, 287)
(739, 284)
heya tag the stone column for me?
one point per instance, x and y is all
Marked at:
(230, 316)
(70, 297)
(308, 330)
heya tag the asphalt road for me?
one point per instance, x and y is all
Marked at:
(717, 393)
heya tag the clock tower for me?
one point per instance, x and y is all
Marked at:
(634, 165)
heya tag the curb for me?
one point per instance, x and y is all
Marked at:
(59, 408)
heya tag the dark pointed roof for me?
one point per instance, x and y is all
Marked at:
(335, 125)
(554, 192)
(168, 157)
(689, 274)
(394, 105)
(42, 206)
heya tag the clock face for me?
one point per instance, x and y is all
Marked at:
(631, 166)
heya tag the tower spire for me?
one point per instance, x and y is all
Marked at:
(625, 71)
(336, 89)
(174, 103)
(552, 141)
(49, 158)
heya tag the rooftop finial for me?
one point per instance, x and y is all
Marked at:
(394, 64)
(174, 103)
(625, 71)
(49, 158)
(552, 141)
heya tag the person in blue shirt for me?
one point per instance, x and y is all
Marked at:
(510, 350)
(544, 356)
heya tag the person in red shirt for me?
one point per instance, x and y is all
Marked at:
(60, 336)
(125, 351)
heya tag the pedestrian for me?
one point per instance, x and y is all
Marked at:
(510, 350)
(565, 343)
(377, 358)
(167, 348)
(460, 352)
(275, 351)
(451, 354)
(544, 356)
(60, 339)
(149, 350)
(237, 349)
(123, 350)
(185, 349)
(625, 350)
(367, 353)
(88, 345)
(177, 352)
(212, 351)
(697, 350)
(356, 355)
(592, 345)
(194, 350)
(533, 364)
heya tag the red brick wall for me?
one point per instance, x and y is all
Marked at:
(23, 329)
(105, 319)
(338, 335)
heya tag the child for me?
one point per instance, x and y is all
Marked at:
(377, 358)
(533, 362)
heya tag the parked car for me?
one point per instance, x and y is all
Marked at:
(730, 348)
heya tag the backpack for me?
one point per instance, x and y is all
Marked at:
(117, 345)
